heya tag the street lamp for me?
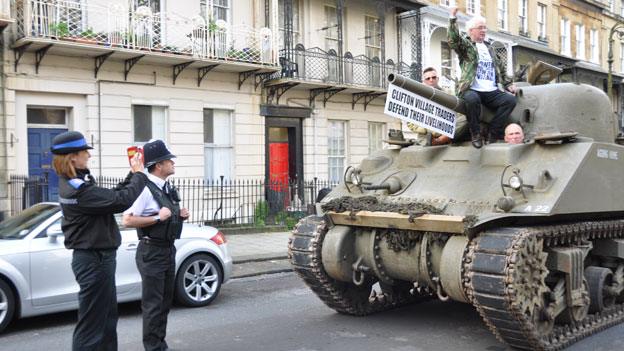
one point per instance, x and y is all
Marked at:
(619, 29)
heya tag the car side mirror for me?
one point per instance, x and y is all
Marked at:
(53, 231)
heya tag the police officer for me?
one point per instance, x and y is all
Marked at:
(158, 218)
(91, 231)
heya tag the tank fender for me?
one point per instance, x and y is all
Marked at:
(451, 266)
(338, 253)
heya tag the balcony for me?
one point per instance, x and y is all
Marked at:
(315, 66)
(327, 73)
(93, 30)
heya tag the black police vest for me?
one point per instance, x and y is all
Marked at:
(169, 230)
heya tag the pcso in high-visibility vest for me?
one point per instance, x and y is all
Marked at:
(91, 231)
(158, 218)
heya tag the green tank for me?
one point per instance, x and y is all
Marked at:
(532, 234)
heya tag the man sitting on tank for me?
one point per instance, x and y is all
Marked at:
(514, 134)
(431, 78)
(482, 72)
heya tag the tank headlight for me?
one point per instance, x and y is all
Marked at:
(515, 182)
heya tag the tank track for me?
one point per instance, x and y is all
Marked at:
(494, 288)
(304, 252)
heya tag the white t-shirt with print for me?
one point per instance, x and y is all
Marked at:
(485, 79)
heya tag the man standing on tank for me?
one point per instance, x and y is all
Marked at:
(482, 72)
(158, 218)
(91, 231)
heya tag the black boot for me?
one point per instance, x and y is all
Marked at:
(477, 141)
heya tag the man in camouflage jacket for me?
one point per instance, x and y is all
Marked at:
(481, 76)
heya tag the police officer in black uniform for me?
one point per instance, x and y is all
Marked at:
(91, 231)
(158, 218)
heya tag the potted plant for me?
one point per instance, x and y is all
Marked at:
(87, 37)
(59, 30)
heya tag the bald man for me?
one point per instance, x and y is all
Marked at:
(514, 134)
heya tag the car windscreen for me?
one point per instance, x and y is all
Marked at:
(18, 226)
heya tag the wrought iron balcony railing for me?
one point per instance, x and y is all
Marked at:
(120, 26)
(317, 65)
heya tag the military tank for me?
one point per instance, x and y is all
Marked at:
(532, 234)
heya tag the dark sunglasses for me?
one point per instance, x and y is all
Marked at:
(431, 78)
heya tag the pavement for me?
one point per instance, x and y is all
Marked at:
(259, 253)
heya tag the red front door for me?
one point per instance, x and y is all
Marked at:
(278, 164)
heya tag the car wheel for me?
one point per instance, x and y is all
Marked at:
(198, 281)
(7, 304)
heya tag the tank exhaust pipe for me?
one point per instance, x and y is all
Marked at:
(447, 100)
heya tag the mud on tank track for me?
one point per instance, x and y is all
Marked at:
(489, 280)
(494, 287)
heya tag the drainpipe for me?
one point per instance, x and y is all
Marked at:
(99, 112)
(4, 176)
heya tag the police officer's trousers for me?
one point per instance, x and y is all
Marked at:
(97, 300)
(157, 267)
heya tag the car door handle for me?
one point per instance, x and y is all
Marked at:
(131, 247)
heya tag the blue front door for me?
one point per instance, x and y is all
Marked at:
(40, 158)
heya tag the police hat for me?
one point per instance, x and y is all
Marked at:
(155, 151)
(68, 142)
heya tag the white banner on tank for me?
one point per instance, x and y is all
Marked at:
(409, 107)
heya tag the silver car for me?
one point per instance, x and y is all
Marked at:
(36, 276)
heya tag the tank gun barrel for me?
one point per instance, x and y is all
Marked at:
(447, 100)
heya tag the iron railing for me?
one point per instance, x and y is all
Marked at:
(315, 64)
(119, 25)
(25, 191)
(219, 202)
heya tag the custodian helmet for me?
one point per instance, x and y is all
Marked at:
(155, 151)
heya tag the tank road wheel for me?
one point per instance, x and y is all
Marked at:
(304, 252)
(530, 289)
(599, 279)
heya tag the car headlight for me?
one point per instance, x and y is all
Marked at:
(515, 182)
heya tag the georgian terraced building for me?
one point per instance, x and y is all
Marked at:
(254, 89)
(244, 89)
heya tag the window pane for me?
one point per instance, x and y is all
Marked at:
(375, 136)
(218, 152)
(45, 115)
(336, 149)
(222, 128)
(331, 28)
(209, 163)
(208, 126)
(222, 160)
(142, 115)
(295, 22)
(159, 130)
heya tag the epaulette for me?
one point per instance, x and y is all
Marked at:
(76, 182)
